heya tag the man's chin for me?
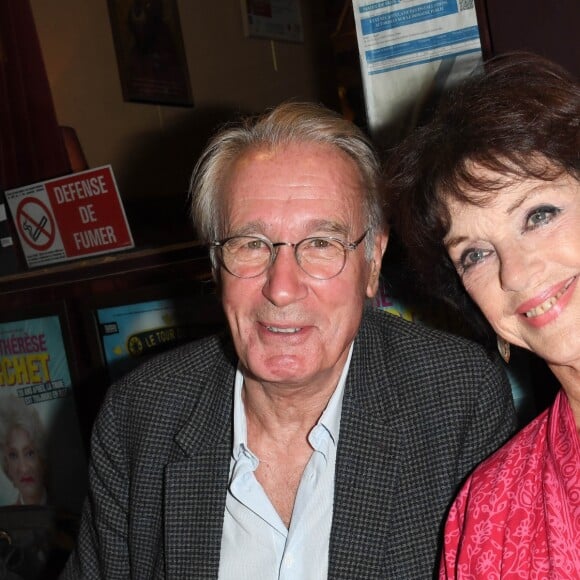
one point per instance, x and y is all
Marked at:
(283, 369)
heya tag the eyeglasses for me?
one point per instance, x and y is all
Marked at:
(249, 256)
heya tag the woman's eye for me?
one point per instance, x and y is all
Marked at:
(541, 216)
(472, 257)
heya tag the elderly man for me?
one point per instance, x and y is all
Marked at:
(319, 439)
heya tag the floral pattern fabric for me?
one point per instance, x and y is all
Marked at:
(518, 514)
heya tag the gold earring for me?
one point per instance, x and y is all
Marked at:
(503, 346)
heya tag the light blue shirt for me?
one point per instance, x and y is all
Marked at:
(255, 542)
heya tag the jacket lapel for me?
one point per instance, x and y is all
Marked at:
(371, 451)
(196, 483)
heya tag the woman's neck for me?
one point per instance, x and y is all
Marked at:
(569, 379)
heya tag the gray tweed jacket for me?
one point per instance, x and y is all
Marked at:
(421, 408)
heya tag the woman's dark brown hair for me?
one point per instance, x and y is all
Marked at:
(519, 117)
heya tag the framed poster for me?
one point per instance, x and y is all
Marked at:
(274, 19)
(150, 51)
(43, 454)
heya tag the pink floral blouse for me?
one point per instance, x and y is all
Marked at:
(518, 514)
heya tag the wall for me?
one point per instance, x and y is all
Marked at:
(153, 148)
(543, 26)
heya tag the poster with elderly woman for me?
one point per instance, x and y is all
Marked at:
(43, 458)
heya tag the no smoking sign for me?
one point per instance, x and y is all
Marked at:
(69, 217)
(35, 223)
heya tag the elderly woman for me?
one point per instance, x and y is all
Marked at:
(488, 207)
(21, 438)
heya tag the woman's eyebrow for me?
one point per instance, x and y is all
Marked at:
(533, 192)
(454, 241)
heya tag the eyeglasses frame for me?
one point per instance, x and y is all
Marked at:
(274, 246)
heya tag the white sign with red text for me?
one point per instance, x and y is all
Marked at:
(70, 217)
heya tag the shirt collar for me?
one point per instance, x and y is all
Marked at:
(240, 425)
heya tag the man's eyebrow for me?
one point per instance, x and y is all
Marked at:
(249, 229)
(327, 227)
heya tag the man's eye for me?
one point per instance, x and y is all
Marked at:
(246, 245)
(319, 243)
(255, 245)
(541, 216)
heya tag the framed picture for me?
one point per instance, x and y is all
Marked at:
(273, 19)
(150, 51)
(38, 415)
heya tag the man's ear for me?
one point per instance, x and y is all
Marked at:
(380, 247)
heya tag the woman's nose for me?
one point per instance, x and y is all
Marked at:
(520, 268)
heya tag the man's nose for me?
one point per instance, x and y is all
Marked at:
(285, 279)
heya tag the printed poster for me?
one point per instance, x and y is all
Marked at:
(409, 51)
(132, 333)
(43, 455)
